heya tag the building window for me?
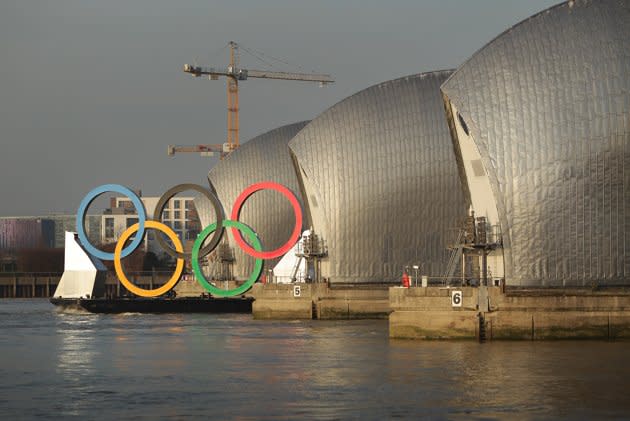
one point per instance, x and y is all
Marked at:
(124, 203)
(189, 204)
(177, 215)
(109, 227)
(129, 222)
(166, 215)
(177, 204)
(192, 214)
(177, 225)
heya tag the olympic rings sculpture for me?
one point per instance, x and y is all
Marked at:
(199, 251)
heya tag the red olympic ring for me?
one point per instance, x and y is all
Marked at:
(236, 210)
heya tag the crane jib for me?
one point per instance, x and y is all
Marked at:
(243, 74)
(234, 74)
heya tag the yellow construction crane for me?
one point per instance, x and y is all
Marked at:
(234, 74)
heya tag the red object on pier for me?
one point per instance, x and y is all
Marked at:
(406, 282)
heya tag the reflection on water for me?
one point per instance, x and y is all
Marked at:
(76, 356)
(57, 365)
(76, 348)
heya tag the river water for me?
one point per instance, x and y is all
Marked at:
(81, 366)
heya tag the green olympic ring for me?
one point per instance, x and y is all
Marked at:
(251, 235)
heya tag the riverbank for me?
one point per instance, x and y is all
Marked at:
(43, 285)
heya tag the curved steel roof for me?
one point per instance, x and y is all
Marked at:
(548, 105)
(380, 180)
(264, 158)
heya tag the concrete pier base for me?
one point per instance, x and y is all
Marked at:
(318, 301)
(428, 313)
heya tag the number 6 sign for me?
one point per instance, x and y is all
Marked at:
(456, 298)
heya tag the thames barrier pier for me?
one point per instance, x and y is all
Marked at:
(319, 301)
(487, 313)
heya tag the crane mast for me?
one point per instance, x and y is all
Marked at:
(233, 73)
(232, 102)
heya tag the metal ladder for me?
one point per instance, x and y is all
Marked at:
(295, 269)
(456, 255)
(482, 328)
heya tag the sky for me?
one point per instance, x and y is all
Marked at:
(93, 92)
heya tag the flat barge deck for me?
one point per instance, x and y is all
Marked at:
(158, 305)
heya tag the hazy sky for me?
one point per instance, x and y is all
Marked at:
(92, 91)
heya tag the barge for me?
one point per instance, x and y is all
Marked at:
(157, 305)
(82, 287)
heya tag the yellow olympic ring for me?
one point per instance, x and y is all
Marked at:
(121, 274)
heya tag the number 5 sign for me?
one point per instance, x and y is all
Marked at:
(456, 298)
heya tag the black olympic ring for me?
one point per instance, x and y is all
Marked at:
(218, 210)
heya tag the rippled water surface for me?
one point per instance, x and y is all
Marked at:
(59, 365)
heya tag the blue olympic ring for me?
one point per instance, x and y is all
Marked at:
(83, 207)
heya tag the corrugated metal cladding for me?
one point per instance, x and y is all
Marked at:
(263, 158)
(548, 104)
(18, 233)
(381, 182)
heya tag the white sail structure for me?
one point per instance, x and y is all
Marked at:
(83, 275)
